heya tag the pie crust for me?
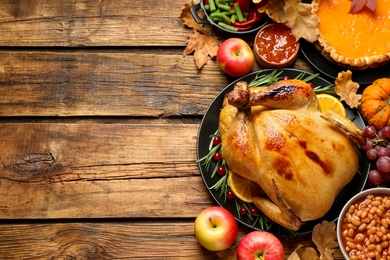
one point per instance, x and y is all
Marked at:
(356, 41)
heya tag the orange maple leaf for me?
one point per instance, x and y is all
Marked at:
(203, 46)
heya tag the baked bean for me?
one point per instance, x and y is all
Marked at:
(356, 221)
(371, 230)
(359, 237)
(352, 209)
(384, 223)
(352, 226)
(362, 227)
(371, 238)
(364, 214)
(351, 244)
(387, 203)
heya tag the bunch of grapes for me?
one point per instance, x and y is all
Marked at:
(377, 151)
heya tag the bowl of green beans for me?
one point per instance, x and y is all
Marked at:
(230, 16)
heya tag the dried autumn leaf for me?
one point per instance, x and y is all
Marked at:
(274, 9)
(347, 89)
(301, 253)
(228, 254)
(203, 46)
(294, 255)
(325, 238)
(301, 20)
(189, 20)
(296, 15)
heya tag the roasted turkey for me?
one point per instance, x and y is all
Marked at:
(278, 138)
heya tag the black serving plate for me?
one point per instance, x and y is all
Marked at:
(208, 127)
(331, 70)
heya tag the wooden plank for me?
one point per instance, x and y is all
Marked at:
(115, 84)
(114, 240)
(99, 83)
(92, 23)
(90, 170)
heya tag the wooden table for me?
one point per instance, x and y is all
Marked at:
(99, 118)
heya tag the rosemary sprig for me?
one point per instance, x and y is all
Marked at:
(326, 89)
(301, 76)
(264, 222)
(265, 80)
(221, 185)
(207, 159)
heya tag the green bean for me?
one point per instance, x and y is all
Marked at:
(207, 8)
(233, 18)
(224, 7)
(220, 15)
(229, 13)
(217, 20)
(212, 6)
(240, 17)
(227, 27)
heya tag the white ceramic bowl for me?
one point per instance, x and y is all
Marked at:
(344, 211)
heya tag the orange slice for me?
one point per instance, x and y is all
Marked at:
(329, 102)
(243, 188)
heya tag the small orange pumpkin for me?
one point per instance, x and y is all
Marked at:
(375, 106)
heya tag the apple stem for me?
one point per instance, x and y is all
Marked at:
(261, 255)
(212, 224)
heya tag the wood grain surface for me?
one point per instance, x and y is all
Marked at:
(99, 113)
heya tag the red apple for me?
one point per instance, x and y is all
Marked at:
(260, 245)
(215, 228)
(235, 57)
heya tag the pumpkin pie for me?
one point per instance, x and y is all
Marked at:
(358, 40)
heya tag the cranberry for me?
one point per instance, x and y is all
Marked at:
(221, 170)
(217, 156)
(216, 140)
(243, 211)
(253, 211)
(230, 195)
(285, 78)
(311, 84)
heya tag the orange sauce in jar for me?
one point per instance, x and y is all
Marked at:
(276, 44)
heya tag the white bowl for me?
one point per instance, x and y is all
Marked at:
(344, 211)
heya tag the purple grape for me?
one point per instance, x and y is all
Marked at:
(382, 151)
(367, 146)
(369, 131)
(372, 154)
(375, 177)
(386, 132)
(380, 134)
(383, 164)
